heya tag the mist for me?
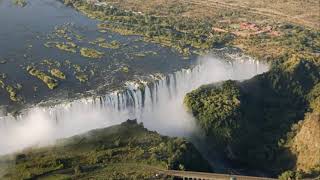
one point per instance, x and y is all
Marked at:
(159, 106)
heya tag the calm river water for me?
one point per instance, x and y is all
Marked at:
(25, 30)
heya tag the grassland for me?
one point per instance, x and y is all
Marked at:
(301, 12)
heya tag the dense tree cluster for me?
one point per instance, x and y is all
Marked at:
(257, 115)
(217, 107)
(126, 151)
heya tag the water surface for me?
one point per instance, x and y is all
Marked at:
(24, 31)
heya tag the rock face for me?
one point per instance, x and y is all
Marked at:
(306, 143)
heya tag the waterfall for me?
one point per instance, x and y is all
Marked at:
(158, 104)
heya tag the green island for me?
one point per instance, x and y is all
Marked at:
(98, 40)
(48, 80)
(12, 93)
(21, 3)
(91, 53)
(64, 46)
(82, 77)
(125, 151)
(11, 90)
(2, 85)
(125, 69)
(112, 45)
(51, 63)
(68, 46)
(58, 74)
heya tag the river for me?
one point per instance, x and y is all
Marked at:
(152, 91)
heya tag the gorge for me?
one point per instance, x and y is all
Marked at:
(91, 89)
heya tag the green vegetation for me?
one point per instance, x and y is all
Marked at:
(265, 108)
(3, 75)
(91, 53)
(11, 90)
(18, 86)
(304, 144)
(199, 33)
(21, 3)
(68, 46)
(12, 93)
(314, 98)
(98, 40)
(125, 69)
(49, 81)
(77, 67)
(80, 73)
(217, 108)
(51, 63)
(58, 74)
(126, 151)
(2, 85)
(63, 32)
(113, 45)
(290, 175)
(50, 44)
(2, 61)
(82, 77)
(179, 33)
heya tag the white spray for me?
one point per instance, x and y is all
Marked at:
(159, 105)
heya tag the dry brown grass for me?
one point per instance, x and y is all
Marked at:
(303, 12)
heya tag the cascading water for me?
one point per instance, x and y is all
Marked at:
(158, 104)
